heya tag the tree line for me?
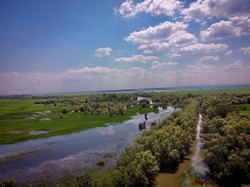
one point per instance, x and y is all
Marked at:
(226, 135)
(160, 149)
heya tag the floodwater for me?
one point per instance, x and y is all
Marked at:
(58, 156)
(197, 176)
(197, 162)
(192, 167)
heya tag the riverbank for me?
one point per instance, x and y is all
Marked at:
(165, 147)
(192, 161)
(22, 120)
(162, 148)
(71, 154)
(176, 178)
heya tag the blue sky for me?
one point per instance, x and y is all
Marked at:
(62, 46)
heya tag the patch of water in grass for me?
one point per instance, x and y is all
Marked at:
(45, 119)
(15, 132)
(62, 155)
(39, 114)
(37, 132)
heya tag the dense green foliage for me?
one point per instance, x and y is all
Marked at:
(7, 183)
(58, 116)
(161, 148)
(225, 130)
(227, 141)
(211, 91)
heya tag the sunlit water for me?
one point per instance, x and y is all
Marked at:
(58, 156)
(199, 168)
(197, 162)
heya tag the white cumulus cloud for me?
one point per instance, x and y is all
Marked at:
(202, 48)
(100, 52)
(158, 65)
(130, 9)
(246, 50)
(228, 53)
(234, 27)
(175, 40)
(220, 8)
(95, 70)
(154, 47)
(138, 73)
(209, 59)
(202, 68)
(136, 58)
(156, 34)
(175, 55)
(236, 65)
(182, 38)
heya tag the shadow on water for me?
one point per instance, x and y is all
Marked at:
(71, 154)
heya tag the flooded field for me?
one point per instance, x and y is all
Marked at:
(197, 175)
(59, 156)
(190, 173)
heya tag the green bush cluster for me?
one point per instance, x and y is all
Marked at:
(161, 148)
(227, 141)
(8, 183)
(169, 99)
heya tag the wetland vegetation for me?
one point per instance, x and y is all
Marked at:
(58, 116)
(225, 131)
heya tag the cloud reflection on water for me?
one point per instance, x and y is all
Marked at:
(107, 131)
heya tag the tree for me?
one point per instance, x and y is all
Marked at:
(9, 182)
(131, 176)
(64, 111)
(227, 140)
(144, 103)
(84, 180)
(147, 162)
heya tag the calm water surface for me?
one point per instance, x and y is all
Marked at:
(58, 156)
(197, 162)
(199, 168)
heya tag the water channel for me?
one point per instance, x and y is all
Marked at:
(193, 169)
(197, 176)
(58, 156)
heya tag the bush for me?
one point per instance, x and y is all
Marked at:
(8, 183)
(101, 163)
(227, 141)
(64, 111)
(84, 180)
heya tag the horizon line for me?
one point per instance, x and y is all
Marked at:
(227, 86)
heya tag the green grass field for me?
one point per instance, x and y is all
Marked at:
(216, 91)
(16, 122)
(16, 114)
(241, 107)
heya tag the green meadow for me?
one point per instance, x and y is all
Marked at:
(215, 91)
(243, 108)
(19, 117)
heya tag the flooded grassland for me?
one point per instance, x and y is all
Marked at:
(57, 156)
(192, 171)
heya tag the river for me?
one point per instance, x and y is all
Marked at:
(58, 156)
(197, 176)
(193, 169)
(198, 164)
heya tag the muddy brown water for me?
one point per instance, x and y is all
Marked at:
(192, 171)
